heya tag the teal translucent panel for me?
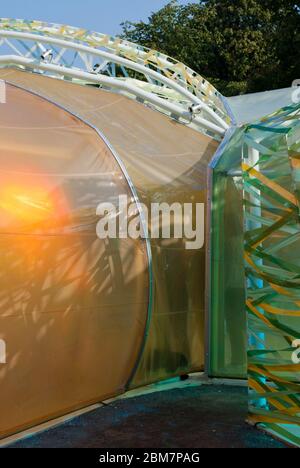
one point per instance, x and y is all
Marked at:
(228, 331)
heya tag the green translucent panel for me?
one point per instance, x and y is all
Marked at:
(266, 202)
(228, 343)
(271, 159)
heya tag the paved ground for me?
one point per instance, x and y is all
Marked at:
(189, 417)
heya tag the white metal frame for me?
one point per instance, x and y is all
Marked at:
(86, 57)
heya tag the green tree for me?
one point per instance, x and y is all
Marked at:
(240, 46)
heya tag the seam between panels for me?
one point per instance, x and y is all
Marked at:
(208, 268)
(229, 111)
(149, 255)
(141, 215)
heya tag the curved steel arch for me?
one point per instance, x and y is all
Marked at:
(88, 57)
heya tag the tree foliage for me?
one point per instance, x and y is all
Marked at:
(240, 46)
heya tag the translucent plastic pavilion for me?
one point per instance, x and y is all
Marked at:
(85, 117)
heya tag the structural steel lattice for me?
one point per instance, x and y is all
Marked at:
(88, 57)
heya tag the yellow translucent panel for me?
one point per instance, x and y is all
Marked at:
(167, 162)
(73, 308)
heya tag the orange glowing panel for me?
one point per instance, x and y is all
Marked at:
(30, 201)
(73, 307)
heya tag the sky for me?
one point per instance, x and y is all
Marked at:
(99, 15)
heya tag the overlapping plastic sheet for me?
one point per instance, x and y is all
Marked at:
(252, 107)
(73, 308)
(271, 156)
(228, 328)
(256, 171)
(85, 318)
